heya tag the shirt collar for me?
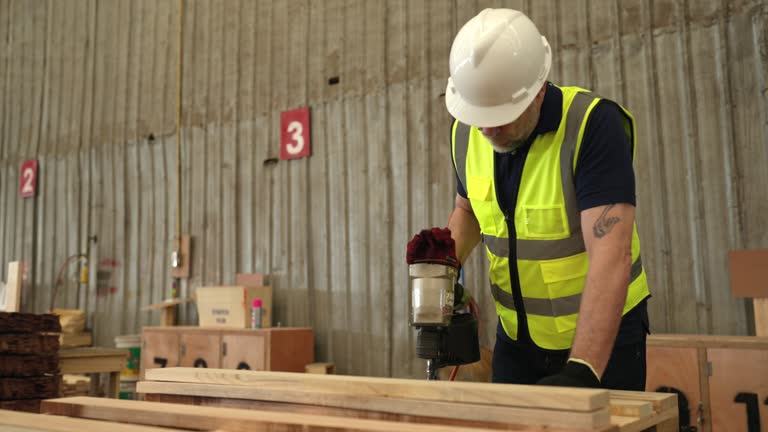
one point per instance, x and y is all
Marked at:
(551, 111)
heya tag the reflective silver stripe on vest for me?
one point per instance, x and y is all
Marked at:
(461, 141)
(497, 245)
(557, 307)
(536, 250)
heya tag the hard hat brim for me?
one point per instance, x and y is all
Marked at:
(487, 116)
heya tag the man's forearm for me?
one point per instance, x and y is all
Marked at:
(601, 309)
(465, 231)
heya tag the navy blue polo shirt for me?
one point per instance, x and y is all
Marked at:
(604, 175)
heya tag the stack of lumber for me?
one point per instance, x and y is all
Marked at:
(29, 363)
(411, 402)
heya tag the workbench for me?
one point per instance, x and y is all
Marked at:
(94, 361)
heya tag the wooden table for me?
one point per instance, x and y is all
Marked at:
(94, 361)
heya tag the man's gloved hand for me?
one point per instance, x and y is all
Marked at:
(576, 373)
(433, 246)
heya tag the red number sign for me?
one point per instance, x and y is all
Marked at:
(294, 133)
(28, 181)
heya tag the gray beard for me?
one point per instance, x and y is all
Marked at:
(513, 147)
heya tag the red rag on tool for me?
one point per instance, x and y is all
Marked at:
(434, 246)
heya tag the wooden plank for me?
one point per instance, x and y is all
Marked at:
(707, 341)
(501, 394)
(634, 424)
(285, 407)
(659, 401)
(29, 388)
(29, 343)
(760, 307)
(70, 363)
(493, 411)
(12, 365)
(75, 340)
(13, 287)
(39, 422)
(631, 408)
(206, 418)
(17, 322)
(87, 352)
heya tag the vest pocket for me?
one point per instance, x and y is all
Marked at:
(545, 222)
(564, 279)
(479, 188)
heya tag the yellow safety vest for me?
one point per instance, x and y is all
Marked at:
(549, 247)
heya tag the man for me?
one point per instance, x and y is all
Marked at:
(545, 180)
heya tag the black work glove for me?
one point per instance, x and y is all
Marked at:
(573, 375)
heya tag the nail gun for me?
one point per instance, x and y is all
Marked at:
(445, 336)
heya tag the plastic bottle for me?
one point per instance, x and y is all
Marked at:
(256, 314)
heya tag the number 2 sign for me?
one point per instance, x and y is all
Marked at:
(28, 181)
(294, 133)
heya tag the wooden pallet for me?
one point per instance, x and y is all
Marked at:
(492, 406)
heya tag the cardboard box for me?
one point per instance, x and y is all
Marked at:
(230, 306)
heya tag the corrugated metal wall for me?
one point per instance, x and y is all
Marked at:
(89, 89)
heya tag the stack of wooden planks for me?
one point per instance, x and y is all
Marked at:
(415, 402)
(29, 364)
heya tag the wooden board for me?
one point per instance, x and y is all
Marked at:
(13, 365)
(13, 287)
(243, 352)
(28, 343)
(200, 350)
(541, 414)
(659, 401)
(20, 421)
(74, 340)
(707, 341)
(501, 394)
(166, 304)
(749, 272)
(760, 309)
(319, 368)
(291, 351)
(29, 388)
(734, 372)
(631, 408)
(92, 360)
(233, 420)
(17, 322)
(677, 368)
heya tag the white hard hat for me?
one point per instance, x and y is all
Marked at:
(499, 61)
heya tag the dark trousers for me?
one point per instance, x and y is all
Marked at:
(521, 363)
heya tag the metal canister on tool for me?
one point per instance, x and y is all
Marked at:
(432, 294)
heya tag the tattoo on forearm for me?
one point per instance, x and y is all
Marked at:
(604, 224)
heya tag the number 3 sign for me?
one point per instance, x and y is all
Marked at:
(294, 133)
(28, 181)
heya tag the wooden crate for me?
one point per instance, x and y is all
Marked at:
(454, 404)
(273, 349)
(719, 376)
